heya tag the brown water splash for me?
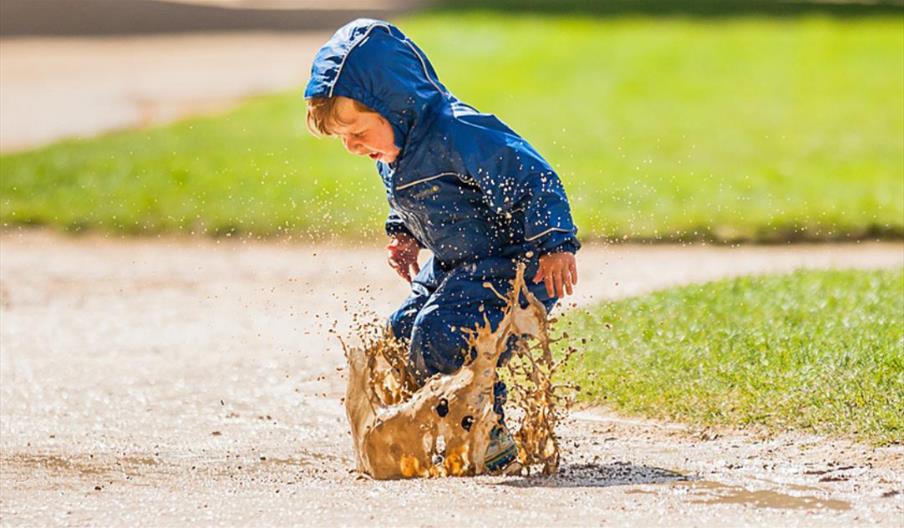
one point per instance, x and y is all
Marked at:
(442, 429)
(542, 402)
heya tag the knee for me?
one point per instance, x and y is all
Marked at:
(436, 347)
(401, 322)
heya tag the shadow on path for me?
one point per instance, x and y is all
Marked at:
(599, 476)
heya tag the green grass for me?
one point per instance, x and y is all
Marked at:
(695, 8)
(816, 351)
(736, 128)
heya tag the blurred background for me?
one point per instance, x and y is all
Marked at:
(717, 120)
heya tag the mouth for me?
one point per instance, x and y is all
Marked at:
(374, 155)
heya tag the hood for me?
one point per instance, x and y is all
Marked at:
(373, 62)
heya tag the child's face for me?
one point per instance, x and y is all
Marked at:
(364, 133)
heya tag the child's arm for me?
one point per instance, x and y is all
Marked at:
(395, 224)
(513, 176)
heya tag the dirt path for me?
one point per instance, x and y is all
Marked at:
(132, 63)
(56, 88)
(182, 382)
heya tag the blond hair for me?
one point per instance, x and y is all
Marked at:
(322, 115)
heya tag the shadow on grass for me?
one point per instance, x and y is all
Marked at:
(599, 476)
(690, 8)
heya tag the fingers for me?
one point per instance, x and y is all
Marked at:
(560, 289)
(408, 270)
(397, 266)
(560, 283)
(550, 284)
(559, 279)
(402, 256)
(405, 269)
(403, 272)
(539, 275)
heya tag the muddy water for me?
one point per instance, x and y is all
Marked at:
(710, 492)
(442, 428)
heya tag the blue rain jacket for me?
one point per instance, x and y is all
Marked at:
(464, 185)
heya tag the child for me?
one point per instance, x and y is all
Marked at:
(459, 183)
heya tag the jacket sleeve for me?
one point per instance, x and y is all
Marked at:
(513, 176)
(394, 224)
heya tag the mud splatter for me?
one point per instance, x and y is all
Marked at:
(442, 428)
(542, 403)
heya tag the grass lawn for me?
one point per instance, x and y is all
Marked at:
(818, 351)
(735, 128)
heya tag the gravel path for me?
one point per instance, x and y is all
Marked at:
(55, 88)
(186, 382)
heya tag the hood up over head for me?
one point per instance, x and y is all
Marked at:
(374, 63)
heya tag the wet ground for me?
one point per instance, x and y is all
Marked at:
(167, 382)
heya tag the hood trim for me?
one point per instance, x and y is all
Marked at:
(424, 67)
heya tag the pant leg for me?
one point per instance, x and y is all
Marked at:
(462, 301)
(401, 322)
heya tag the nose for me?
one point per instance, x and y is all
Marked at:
(352, 145)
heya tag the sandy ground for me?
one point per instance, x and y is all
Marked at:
(54, 88)
(190, 382)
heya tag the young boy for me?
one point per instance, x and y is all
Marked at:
(459, 183)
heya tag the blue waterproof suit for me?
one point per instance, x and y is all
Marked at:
(464, 185)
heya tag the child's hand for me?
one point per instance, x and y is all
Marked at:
(559, 272)
(402, 255)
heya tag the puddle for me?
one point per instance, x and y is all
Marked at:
(789, 485)
(717, 493)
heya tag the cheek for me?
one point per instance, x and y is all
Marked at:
(387, 137)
